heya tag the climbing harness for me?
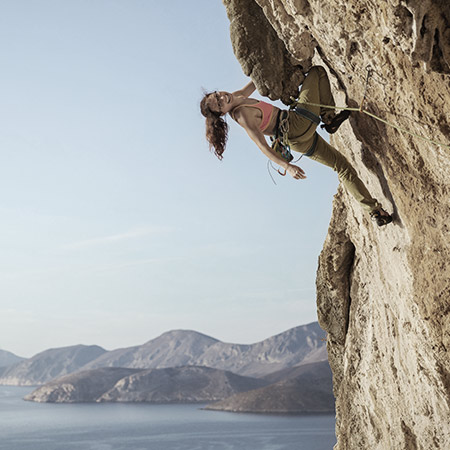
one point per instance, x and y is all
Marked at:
(306, 114)
(313, 118)
(312, 149)
(280, 141)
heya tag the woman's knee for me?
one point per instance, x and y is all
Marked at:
(344, 169)
(346, 174)
(320, 70)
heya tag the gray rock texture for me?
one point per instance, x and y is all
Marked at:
(383, 295)
(304, 389)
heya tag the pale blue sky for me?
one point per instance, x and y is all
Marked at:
(117, 224)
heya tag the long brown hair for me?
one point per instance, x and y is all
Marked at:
(216, 127)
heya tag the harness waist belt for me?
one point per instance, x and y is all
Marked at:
(282, 115)
(307, 115)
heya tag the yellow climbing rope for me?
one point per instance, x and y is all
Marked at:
(393, 125)
(360, 109)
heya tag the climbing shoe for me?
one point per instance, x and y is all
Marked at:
(380, 218)
(336, 122)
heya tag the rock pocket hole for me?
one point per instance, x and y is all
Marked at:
(423, 28)
(352, 49)
(437, 62)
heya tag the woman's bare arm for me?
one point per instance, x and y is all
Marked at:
(246, 91)
(259, 139)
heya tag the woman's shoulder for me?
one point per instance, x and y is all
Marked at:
(241, 112)
(246, 102)
(253, 102)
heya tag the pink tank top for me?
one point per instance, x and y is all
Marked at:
(266, 110)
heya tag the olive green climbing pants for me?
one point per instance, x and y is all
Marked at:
(316, 89)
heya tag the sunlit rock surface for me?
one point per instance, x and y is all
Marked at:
(383, 295)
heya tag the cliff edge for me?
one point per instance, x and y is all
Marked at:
(383, 295)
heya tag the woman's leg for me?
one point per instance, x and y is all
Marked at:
(316, 89)
(329, 156)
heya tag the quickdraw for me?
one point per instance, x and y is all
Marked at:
(280, 142)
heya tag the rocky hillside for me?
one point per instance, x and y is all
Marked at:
(79, 387)
(307, 389)
(49, 364)
(171, 349)
(173, 385)
(190, 384)
(8, 359)
(299, 345)
(183, 347)
(383, 294)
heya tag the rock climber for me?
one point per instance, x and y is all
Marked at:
(295, 128)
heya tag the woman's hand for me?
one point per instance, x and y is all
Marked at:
(296, 172)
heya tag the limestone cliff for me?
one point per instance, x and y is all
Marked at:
(383, 295)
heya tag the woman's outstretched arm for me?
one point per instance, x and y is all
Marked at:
(260, 140)
(246, 91)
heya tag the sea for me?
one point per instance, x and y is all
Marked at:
(138, 426)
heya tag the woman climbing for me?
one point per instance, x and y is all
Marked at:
(296, 127)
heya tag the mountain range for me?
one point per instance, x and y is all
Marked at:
(286, 373)
(49, 364)
(8, 359)
(300, 345)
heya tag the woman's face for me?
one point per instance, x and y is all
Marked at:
(221, 102)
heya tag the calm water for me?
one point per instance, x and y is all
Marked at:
(35, 426)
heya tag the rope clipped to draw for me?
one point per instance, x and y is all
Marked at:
(386, 122)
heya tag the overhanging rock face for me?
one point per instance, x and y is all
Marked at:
(262, 53)
(383, 295)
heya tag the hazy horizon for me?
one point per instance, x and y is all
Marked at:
(117, 223)
(165, 332)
